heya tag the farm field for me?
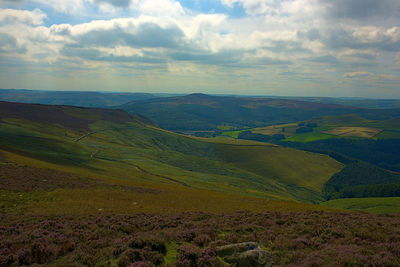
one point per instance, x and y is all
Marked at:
(343, 126)
(370, 205)
(308, 137)
(355, 131)
(285, 129)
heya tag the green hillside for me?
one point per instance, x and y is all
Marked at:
(98, 143)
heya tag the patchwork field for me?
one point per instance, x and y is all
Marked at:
(364, 132)
(285, 129)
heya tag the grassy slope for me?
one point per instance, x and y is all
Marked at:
(372, 205)
(143, 155)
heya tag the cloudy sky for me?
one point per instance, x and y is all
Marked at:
(264, 47)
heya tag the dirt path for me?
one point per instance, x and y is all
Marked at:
(87, 134)
(145, 171)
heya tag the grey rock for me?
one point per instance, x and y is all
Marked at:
(247, 254)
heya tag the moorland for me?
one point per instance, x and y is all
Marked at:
(167, 180)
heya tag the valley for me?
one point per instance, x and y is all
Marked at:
(137, 189)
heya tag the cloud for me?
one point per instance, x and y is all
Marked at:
(12, 2)
(361, 9)
(8, 44)
(116, 3)
(373, 76)
(141, 35)
(397, 59)
(325, 59)
(358, 74)
(107, 56)
(220, 58)
(256, 7)
(74, 7)
(325, 39)
(358, 54)
(366, 37)
(169, 8)
(35, 17)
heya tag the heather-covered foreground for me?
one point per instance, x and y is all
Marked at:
(189, 239)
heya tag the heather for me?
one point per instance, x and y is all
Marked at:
(313, 238)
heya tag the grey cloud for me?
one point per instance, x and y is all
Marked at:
(332, 60)
(339, 38)
(147, 35)
(325, 59)
(116, 3)
(287, 47)
(62, 30)
(223, 57)
(7, 40)
(361, 9)
(12, 2)
(312, 34)
(95, 55)
(266, 61)
(9, 44)
(360, 55)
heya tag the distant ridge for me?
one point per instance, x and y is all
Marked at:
(206, 112)
(72, 98)
(67, 116)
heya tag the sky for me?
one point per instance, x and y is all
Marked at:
(252, 47)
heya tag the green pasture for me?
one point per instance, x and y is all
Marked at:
(371, 205)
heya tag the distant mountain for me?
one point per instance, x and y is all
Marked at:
(82, 99)
(205, 112)
(355, 102)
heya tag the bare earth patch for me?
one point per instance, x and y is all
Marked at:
(355, 131)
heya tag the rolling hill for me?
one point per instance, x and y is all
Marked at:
(74, 98)
(205, 112)
(101, 187)
(113, 144)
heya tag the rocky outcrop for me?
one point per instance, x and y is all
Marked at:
(247, 254)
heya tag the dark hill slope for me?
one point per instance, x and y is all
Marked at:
(73, 98)
(66, 116)
(205, 112)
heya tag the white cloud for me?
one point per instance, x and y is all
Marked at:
(147, 34)
(35, 17)
(372, 76)
(371, 34)
(169, 8)
(358, 54)
(358, 74)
